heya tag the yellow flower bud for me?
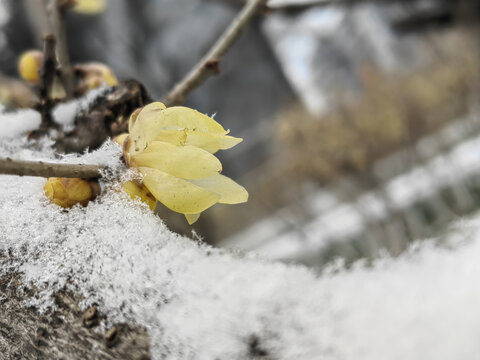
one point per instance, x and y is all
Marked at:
(93, 75)
(67, 192)
(29, 66)
(141, 192)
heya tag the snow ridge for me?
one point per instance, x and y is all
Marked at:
(198, 302)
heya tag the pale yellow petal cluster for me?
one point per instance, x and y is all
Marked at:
(173, 149)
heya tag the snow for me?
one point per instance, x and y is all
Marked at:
(205, 303)
(64, 113)
(20, 122)
(16, 123)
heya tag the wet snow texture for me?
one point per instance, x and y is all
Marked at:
(201, 303)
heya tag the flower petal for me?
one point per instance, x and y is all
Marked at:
(230, 192)
(192, 120)
(211, 142)
(186, 162)
(192, 218)
(174, 137)
(177, 194)
(155, 122)
(141, 192)
(132, 120)
(145, 126)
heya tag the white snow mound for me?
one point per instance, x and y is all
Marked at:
(203, 303)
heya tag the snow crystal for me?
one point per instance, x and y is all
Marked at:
(64, 114)
(205, 303)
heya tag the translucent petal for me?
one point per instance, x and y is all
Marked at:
(145, 126)
(148, 124)
(133, 119)
(152, 109)
(141, 192)
(211, 142)
(230, 192)
(186, 162)
(192, 120)
(192, 218)
(174, 137)
(177, 194)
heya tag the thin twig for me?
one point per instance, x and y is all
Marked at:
(44, 169)
(38, 16)
(57, 18)
(47, 76)
(209, 64)
(286, 4)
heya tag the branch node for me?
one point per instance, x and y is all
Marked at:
(214, 65)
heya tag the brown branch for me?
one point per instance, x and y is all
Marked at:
(286, 4)
(37, 14)
(47, 76)
(105, 118)
(10, 166)
(208, 65)
(57, 17)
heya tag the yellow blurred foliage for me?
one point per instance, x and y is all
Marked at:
(391, 113)
(90, 7)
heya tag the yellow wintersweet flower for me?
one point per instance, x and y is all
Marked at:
(173, 149)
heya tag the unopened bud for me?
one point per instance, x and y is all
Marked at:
(29, 65)
(67, 192)
(93, 75)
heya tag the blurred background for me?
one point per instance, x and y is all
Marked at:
(360, 118)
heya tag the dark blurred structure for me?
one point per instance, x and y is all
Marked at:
(322, 91)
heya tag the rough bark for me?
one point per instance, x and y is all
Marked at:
(106, 117)
(66, 333)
